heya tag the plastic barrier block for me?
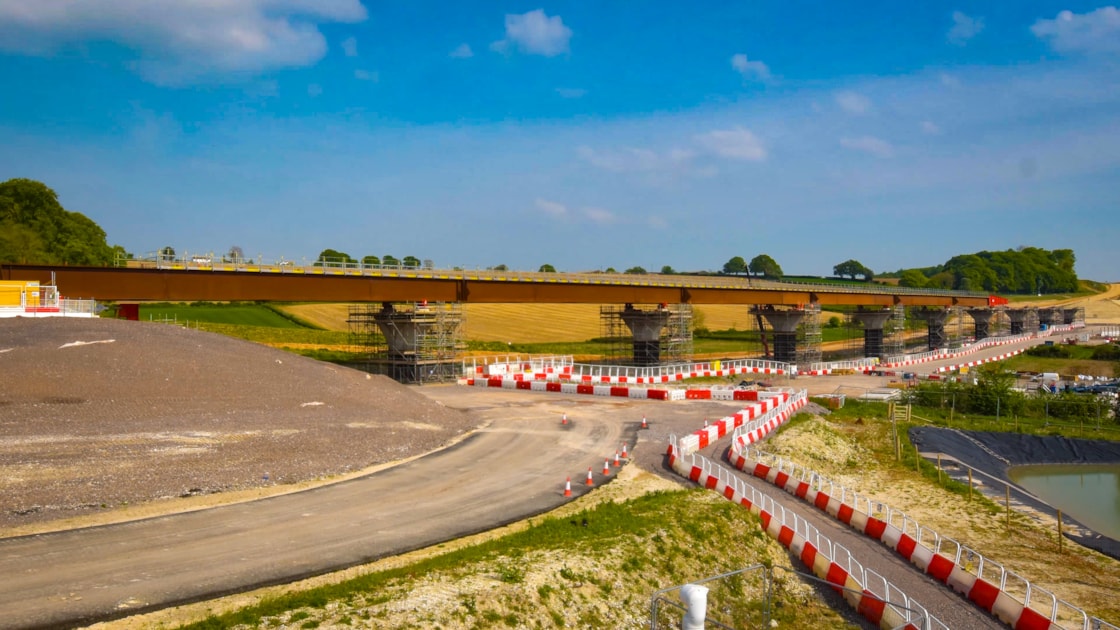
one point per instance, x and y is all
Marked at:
(983, 594)
(657, 394)
(524, 384)
(698, 394)
(836, 575)
(745, 394)
(541, 386)
(940, 567)
(510, 384)
(569, 388)
(622, 392)
(553, 387)
(871, 607)
(845, 514)
(1032, 620)
(637, 392)
(676, 394)
(875, 528)
(585, 389)
(602, 390)
(494, 382)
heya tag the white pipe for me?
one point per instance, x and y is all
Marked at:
(695, 598)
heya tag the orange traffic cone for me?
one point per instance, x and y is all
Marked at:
(644, 425)
(624, 450)
(616, 463)
(606, 468)
(568, 487)
(564, 419)
(590, 481)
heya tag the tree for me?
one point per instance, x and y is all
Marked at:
(235, 253)
(636, 270)
(765, 266)
(389, 261)
(167, 253)
(852, 268)
(736, 265)
(61, 236)
(371, 261)
(500, 268)
(547, 268)
(410, 261)
(912, 278)
(329, 257)
(611, 270)
(667, 270)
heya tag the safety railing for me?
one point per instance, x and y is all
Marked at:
(208, 261)
(714, 476)
(1029, 595)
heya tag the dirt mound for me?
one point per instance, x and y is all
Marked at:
(96, 413)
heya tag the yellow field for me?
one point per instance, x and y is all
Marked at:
(528, 323)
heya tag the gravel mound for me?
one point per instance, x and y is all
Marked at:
(98, 413)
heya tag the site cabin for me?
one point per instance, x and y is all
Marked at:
(28, 298)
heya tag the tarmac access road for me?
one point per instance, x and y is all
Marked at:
(512, 469)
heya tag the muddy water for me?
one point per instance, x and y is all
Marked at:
(1088, 492)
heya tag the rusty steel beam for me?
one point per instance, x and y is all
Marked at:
(138, 285)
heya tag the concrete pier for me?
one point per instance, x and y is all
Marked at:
(873, 322)
(785, 325)
(1018, 319)
(646, 326)
(981, 318)
(935, 318)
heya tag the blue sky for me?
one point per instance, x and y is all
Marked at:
(582, 135)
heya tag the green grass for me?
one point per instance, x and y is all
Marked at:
(659, 539)
(237, 314)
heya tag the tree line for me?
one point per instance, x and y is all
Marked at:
(1026, 270)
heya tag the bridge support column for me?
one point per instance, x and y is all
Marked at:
(646, 328)
(784, 324)
(1018, 319)
(935, 318)
(981, 317)
(1069, 315)
(402, 329)
(873, 322)
(1046, 317)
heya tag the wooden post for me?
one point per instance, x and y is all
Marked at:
(1060, 531)
(939, 469)
(969, 484)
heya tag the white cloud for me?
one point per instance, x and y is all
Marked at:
(964, 28)
(853, 102)
(462, 51)
(1094, 32)
(366, 75)
(350, 47)
(535, 33)
(176, 42)
(551, 208)
(314, 89)
(869, 144)
(599, 215)
(930, 128)
(632, 160)
(571, 92)
(737, 144)
(749, 69)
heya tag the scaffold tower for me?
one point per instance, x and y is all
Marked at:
(809, 335)
(671, 344)
(411, 342)
(894, 332)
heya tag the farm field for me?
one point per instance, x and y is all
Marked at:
(528, 323)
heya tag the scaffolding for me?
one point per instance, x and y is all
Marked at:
(894, 332)
(954, 328)
(809, 337)
(411, 342)
(674, 343)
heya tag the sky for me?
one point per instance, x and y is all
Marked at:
(584, 135)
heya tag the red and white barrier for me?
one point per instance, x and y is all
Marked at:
(940, 557)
